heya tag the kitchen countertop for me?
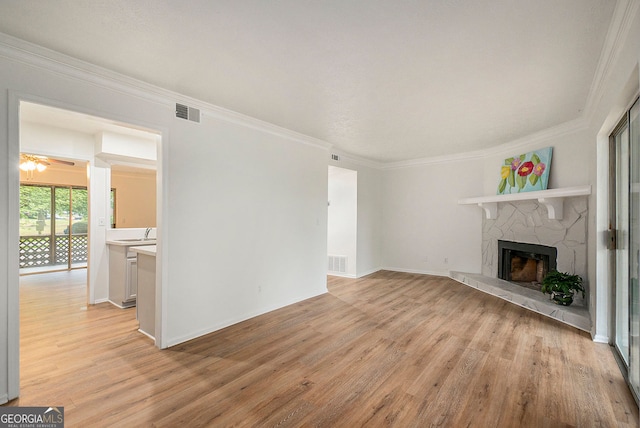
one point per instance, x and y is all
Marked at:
(149, 250)
(131, 243)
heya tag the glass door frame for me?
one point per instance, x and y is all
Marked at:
(624, 234)
(52, 266)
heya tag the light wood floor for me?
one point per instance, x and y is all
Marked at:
(391, 349)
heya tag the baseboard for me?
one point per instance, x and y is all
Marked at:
(115, 304)
(341, 275)
(358, 275)
(368, 272)
(4, 398)
(173, 341)
(601, 339)
(148, 335)
(418, 271)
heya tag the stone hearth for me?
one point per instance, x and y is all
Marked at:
(576, 316)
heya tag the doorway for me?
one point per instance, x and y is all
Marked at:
(342, 222)
(64, 134)
(624, 147)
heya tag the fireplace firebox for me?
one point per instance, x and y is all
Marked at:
(525, 264)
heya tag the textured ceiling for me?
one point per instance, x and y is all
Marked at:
(383, 79)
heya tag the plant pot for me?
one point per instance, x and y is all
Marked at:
(559, 298)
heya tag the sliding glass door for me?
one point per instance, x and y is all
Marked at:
(625, 219)
(53, 228)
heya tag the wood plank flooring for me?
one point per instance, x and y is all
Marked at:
(390, 349)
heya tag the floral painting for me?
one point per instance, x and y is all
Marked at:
(525, 173)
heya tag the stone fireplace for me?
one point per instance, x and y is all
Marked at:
(527, 222)
(523, 236)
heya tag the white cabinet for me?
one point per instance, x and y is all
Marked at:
(146, 308)
(131, 284)
(123, 274)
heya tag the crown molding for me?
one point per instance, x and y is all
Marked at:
(524, 143)
(55, 62)
(51, 61)
(619, 28)
(355, 159)
(36, 56)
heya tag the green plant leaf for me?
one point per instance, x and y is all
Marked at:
(502, 185)
(533, 179)
(512, 179)
(522, 181)
(523, 156)
(508, 161)
(535, 159)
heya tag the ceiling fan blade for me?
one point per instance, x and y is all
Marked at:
(63, 162)
(45, 160)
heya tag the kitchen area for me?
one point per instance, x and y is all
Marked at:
(121, 177)
(132, 275)
(132, 248)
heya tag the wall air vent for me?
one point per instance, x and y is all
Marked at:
(335, 157)
(337, 264)
(188, 113)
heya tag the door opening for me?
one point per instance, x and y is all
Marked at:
(342, 222)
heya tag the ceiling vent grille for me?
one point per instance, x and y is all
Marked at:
(188, 113)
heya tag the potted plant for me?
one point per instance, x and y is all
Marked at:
(562, 286)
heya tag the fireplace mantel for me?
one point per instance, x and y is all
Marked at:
(553, 199)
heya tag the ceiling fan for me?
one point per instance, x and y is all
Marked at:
(30, 163)
(43, 160)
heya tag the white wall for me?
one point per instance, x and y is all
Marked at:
(242, 204)
(249, 229)
(424, 228)
(342, 222)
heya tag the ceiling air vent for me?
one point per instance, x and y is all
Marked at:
(335, 157)
(188, 113)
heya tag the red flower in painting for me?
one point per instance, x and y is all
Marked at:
(525, 169)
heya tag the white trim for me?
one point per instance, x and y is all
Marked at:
(52, 61)
(563, 192)
(619, 28)
(525, 142)
(553, 199)
(13, 234)
(342, 275)
(368, 272)
(419, 271)
(234, 320)
(354, 159)
(147, 334)
(600, 339)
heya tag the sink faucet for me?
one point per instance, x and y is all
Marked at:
(146, 233)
